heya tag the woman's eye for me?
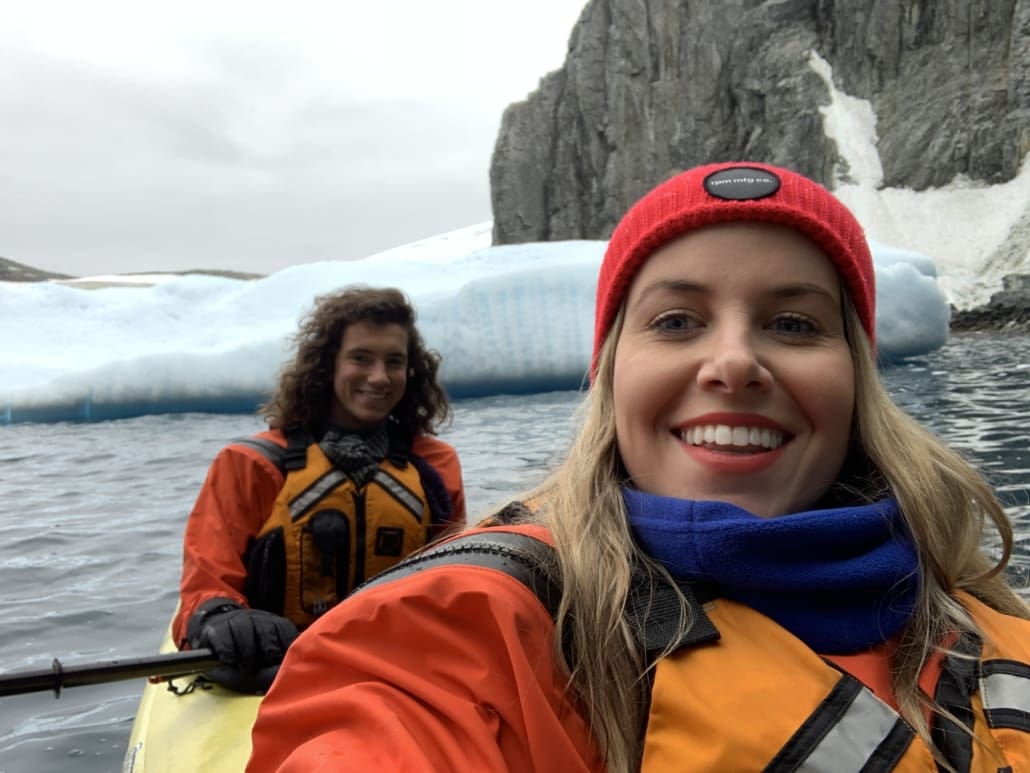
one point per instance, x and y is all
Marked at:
(794, 325)
(674, 322)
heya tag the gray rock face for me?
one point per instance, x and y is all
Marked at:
(1008, 309)
(651, 87)
(19, 272)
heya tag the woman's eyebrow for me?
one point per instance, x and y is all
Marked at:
(670, 285)
(791, 290)
(798, 289)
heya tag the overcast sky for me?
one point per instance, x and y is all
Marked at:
(146, 136)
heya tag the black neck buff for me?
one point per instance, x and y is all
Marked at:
(358, 456)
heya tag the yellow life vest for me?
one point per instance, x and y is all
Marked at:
(325, 536)
(781, 707)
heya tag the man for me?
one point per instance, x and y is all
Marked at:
(347, 481)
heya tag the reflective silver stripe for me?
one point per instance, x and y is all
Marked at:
(401, 493)
(854, 738)
(1005, 691)
(316, 491)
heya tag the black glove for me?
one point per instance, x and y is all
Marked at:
(250, 643)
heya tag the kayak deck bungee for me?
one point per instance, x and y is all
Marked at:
(205, 729)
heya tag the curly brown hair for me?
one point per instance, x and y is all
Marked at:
(305, 391)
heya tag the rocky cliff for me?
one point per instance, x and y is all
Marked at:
(19, 272)
(1008, 310)
(651, 87)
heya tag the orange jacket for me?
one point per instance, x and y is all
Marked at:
(235, 501)
(448, 669)
(451, 667)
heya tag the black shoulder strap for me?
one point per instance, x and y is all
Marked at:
(399, 451)
(958, 683)
(653, 607)
(269, 449)
(297, 442)
(527, 559)
(653, 611)
(441, 508)
(293, 457)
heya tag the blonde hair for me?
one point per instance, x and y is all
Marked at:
(946, 503)
(948, 507)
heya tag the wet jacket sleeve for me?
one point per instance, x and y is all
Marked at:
(448, 669)
(233, 504)
(444, 459)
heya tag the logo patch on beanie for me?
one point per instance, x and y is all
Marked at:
(740, 183)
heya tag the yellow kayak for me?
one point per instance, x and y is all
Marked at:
(204, 730)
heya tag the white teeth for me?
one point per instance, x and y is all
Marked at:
(724, 435)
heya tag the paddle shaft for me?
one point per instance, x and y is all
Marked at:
(155, 667)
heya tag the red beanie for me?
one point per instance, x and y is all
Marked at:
(728, 192)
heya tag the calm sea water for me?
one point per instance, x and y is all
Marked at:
(92, 518)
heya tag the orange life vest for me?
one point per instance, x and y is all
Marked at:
(781, 707)
(325, 536)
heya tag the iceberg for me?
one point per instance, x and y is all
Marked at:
(509, 319)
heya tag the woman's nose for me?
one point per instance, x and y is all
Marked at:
(378, 372)
(732, 364)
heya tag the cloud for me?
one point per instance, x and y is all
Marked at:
(235, 135)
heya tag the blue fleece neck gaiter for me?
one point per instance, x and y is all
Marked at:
(841, 580)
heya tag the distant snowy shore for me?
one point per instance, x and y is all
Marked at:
(10, 271)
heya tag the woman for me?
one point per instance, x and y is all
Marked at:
(760, 562)
(347, 481)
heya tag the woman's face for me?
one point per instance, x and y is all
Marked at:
(370, 376)
(733, 379)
